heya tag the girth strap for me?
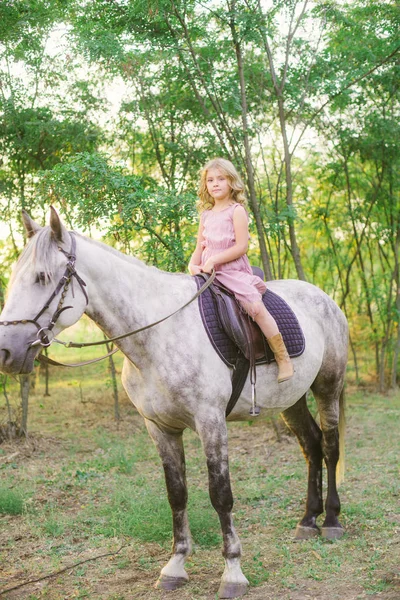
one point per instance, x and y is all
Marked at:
(239, 377)
(236, 325)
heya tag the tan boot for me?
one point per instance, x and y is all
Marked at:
(282, 357)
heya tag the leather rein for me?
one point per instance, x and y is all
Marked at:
(62, 287)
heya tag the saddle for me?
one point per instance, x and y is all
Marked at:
(238, 340)
(240, 328)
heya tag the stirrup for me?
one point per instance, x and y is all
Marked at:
(254, 410)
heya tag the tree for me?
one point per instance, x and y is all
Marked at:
(34, 134)
(133, 212)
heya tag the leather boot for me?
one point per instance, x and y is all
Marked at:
(282, 357)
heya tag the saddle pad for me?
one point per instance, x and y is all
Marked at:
(286, 319)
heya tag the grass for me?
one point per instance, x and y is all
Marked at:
(11, 501)
(82, 486)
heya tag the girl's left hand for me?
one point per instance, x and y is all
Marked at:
(208, 266)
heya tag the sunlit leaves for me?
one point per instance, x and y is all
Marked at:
(94, 193)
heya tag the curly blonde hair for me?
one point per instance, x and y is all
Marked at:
(206, 202)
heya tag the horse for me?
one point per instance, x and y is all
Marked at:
(175, 378)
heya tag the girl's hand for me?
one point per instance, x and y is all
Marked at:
(194, 269)
(208, 266)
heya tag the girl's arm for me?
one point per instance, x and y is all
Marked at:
(195, 261)
(241, 227)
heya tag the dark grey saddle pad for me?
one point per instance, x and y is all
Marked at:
(286, 319)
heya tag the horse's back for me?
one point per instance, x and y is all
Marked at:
(324, 325)
(310, 303)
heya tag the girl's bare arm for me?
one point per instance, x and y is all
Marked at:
(195, 261)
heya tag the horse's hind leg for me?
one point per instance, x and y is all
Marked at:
(300, 421)
(213, 434)
(331, 411)
(170, 449)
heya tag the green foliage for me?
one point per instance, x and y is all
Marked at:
(133, 210)
(319, 106)
(24, 24)
(34, 139)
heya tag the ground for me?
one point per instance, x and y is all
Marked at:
(83, 485)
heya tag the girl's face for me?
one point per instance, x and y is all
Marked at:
(218, 185)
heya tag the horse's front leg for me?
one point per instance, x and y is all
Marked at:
(213, 433)
(170, 449)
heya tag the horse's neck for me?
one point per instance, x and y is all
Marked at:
(124, 293)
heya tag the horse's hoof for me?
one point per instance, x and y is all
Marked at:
(169, 584)
(332, 533)
(305, 533)
(232, 590)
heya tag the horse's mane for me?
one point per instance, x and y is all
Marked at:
(41, 255)
(121, 255)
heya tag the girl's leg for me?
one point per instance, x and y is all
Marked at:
(265, 320)
(268, 326)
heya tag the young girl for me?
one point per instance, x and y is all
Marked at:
(222, 244)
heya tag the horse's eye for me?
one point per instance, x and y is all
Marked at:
(41, 278)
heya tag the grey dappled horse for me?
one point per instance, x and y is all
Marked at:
(173, 375)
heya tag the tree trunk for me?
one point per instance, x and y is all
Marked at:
(24, 381)
(289, 192)
(46, 375)
(343, 304)
(117, 414)
(9, 431)
(1, 295)
(278, 87)
(396, 353)
(358, 255)
(248, 163)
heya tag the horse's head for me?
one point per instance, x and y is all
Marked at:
(45, 295)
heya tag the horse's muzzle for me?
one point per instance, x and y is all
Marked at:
(22, 364)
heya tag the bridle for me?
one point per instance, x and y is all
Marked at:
(42, 334)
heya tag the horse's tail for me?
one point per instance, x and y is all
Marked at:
(342, 430)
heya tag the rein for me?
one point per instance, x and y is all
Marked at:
(63, 286)
(45, 359)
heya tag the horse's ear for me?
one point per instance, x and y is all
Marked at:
(31, 227)
(58, 230)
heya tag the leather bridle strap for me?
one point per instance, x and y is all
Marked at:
(46, 360)
(62, 286)
(50, 361)
(65, 279)
(42, 333)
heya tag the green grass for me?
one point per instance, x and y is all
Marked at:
(93, 487)
(136, 511)
(11, 501)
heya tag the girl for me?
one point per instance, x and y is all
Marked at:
(222, 244)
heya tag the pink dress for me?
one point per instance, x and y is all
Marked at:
(236, 275)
